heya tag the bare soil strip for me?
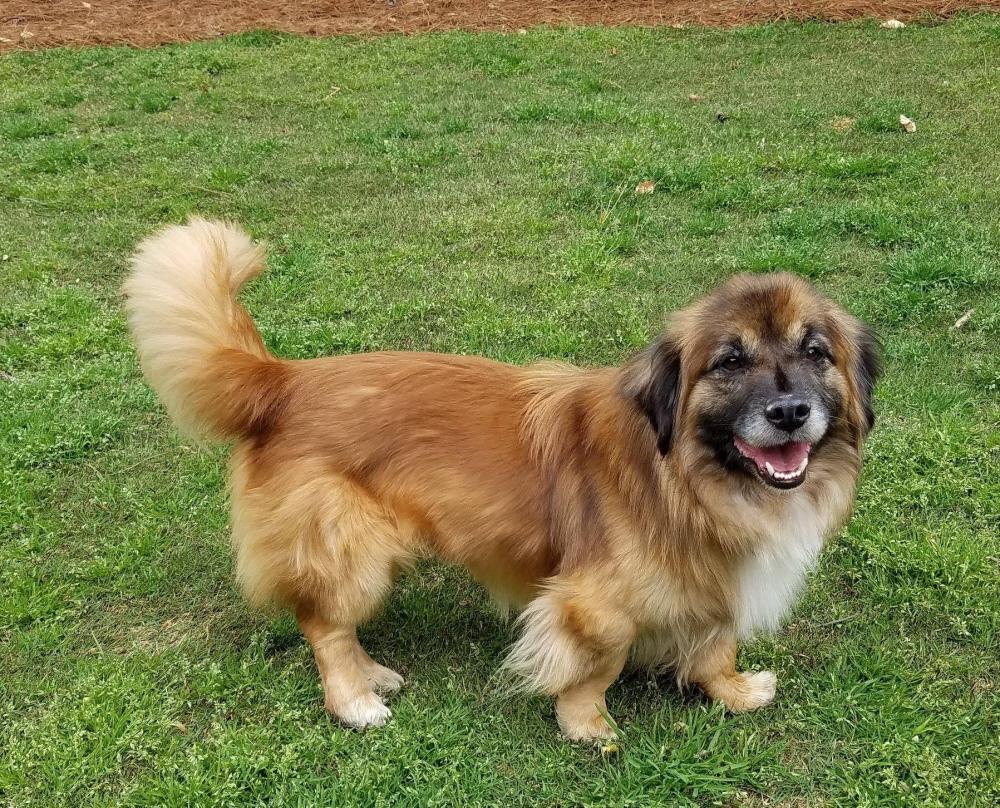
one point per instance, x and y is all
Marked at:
(29, 24)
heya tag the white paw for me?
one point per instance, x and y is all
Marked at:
(584, 725)
(760, 688)
(591, 731)
(365, 711)
(383, 679)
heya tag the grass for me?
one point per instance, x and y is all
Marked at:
(473, 193)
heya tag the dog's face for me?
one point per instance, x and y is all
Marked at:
(758, 377)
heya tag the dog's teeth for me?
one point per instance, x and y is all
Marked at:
(784, 476)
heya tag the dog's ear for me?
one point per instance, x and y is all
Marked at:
(656, 388)
(866, 371)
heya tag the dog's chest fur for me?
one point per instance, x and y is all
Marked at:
(770, 578)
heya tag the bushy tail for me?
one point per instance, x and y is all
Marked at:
(199, 348)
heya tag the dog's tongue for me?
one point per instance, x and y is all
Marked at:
(784, 458)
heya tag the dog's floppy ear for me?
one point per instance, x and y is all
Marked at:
(867, 368)
(656, 388)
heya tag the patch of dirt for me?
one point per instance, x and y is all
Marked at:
(29, 24)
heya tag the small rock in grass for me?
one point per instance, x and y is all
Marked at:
(893, 25)
(695, 97)
(907, 125)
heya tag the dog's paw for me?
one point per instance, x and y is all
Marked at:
(596, 729)
(363, 712)
(580, 725)
(383, 679)
(755, 690)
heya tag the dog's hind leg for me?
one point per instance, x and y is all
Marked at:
(340, 554)
(325, 546)
(349, 692)
(380, 678)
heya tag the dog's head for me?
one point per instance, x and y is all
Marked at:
(758, 377)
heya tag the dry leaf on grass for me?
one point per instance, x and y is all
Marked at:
(907, 125)
(613, 51)
(645, 187)
(893, 25)
(963, 319)
(842, 123)
(695, 97)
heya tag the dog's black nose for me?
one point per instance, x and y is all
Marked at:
(788, 412)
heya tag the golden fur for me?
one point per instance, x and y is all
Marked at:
(547, 483)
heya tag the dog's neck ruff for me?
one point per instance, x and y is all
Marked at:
(770, 577)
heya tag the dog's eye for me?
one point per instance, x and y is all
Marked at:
(815, 353)
(732, 362)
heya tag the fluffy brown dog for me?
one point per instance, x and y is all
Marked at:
(657, 511)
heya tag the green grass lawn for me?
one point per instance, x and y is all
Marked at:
(474, 194)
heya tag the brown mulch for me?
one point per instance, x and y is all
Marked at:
(28, 24)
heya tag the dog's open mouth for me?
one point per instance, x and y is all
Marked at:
(782, 466)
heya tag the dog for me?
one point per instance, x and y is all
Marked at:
(655, 512)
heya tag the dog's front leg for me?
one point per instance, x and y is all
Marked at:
(713, 667)
(573, 650)
(581, 710)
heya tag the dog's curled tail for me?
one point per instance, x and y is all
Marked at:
(199, 349)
